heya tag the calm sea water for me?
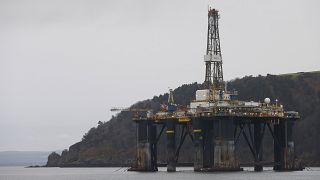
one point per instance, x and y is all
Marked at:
(21, 173)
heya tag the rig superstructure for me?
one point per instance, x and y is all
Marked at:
(214, 121)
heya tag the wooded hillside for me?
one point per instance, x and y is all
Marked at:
(112, 143)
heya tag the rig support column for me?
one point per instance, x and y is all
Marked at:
(284, 156)
(224, 148)
(146, 147)
(258, 136)
(171, 145)
(198, 144)
(208, 155)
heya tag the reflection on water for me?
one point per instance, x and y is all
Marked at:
(21, 173)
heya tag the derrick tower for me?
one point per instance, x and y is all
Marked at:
(213, 58)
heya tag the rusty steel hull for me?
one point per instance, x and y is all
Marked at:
(214, 141)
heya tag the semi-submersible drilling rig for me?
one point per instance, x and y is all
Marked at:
(214, 121)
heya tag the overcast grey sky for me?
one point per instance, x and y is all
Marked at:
(64, 63)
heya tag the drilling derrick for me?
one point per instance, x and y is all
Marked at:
(213, 58)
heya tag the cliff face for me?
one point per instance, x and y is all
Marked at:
(113, 143)
(54, 160)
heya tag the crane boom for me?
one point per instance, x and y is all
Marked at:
(114, 109)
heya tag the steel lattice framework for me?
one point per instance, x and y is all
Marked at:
(213, 58)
